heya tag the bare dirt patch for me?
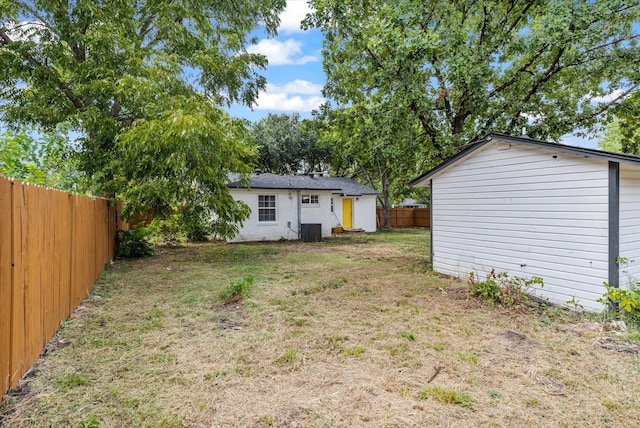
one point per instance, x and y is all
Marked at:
(347, 332)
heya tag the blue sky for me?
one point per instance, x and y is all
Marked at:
(295, 76)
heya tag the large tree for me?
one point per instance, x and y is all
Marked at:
(366, 144)
(460, 69)
(287, 144)
(143, 81)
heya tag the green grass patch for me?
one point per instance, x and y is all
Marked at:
(445, 395)
(237, 291)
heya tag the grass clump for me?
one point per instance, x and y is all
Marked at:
(288, 357)
(354, 351)
(408, 335)
(73, 379)
(445, 395)
(237, 291)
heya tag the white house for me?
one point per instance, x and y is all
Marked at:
(569, 215)
(287, 207)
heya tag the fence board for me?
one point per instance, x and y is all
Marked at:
(5, 283)
(53, 247)
(18, 344)
(32, 270)
(406, 217)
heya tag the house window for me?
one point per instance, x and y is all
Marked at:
(266, 207)
(331, 204)
(310, 199)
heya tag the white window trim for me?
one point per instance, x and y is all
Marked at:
(310, 202)
(274, 208)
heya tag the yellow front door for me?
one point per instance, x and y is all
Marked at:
(347, 213)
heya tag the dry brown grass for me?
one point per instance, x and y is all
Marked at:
(342, 333)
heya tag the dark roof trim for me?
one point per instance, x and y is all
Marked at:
(475, 145)
(339, 185)
(293, 188)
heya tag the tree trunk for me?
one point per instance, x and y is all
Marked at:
(385, 201)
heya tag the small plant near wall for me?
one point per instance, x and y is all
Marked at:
(624, 303)
(501, 289)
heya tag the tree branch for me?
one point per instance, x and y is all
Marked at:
(64, 87)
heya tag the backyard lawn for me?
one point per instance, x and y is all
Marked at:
(352, 331)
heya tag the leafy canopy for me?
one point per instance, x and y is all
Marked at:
(623, 134)
(461, 69)
(288, 144)
(47, 159)
(143, 82)
(365, 144)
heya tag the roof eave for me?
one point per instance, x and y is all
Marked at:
(421, 181)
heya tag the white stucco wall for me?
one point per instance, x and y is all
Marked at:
(364, 213)
(286, 224)
(318, 213)
(629, 224)
(286, 211)
(528, 212)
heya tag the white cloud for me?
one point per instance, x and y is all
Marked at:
(297, 96)
(25, 30)
(280, 53)
(293, 14)
(607, 98)
(296, 87)
(531, 117)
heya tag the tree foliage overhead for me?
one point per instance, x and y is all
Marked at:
(287, 144)
(143, 81)
(623, 134)
(366, 144)
(47, 160)
(460, 69)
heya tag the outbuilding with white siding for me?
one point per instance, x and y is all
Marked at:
(569, 215)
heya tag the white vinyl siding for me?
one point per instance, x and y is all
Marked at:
(629, 224)
(526, 211)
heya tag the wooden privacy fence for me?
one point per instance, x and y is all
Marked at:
(406, 217)
(53, 247)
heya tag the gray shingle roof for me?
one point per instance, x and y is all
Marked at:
(345, 186)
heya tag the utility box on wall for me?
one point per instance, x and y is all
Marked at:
(311, 232)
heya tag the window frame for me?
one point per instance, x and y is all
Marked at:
(311, 199)
(267, 209)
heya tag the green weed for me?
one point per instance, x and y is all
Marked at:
(408, 335)
(237, 291)
(445, 395)
(288, 357)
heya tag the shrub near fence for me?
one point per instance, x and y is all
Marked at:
(53, 247)
(406, 217)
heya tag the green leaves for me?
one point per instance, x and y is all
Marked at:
(463, 69)
(623, 134)
(47, 159)
(288, 144)
(149, 74)
(183, 154)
